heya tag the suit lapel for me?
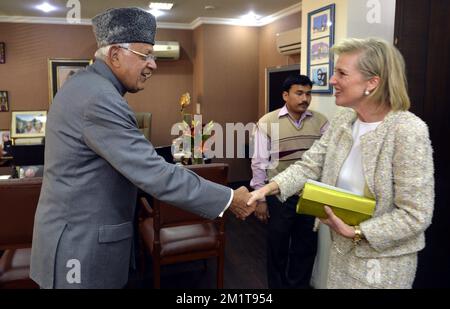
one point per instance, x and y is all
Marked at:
(371, 145)
(345, 142)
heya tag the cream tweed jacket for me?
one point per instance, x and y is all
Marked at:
(398, 169)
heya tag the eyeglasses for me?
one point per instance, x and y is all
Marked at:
(149, 57)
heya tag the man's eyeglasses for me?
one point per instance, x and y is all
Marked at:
(149, 57)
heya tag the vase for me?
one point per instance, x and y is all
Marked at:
(198, 160)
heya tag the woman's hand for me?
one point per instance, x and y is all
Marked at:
(257, 196)
(260, 194)
(337, 224)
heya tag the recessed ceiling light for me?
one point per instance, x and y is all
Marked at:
(156, 12)
(210, 7)
(160, 6)
(251, 17)
(45, 7)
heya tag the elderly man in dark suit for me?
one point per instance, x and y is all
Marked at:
(96, 158)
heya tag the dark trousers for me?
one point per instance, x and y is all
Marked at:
(291, 246)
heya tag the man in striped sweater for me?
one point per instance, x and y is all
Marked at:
(280, 139)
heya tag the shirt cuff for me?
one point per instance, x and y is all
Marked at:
(229, 203)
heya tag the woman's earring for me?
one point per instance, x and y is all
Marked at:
(367, 92)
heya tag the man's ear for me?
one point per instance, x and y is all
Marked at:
(114, 56)
(373, 83)
(285, 96)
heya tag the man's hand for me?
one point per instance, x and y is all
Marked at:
(239, 203)
(262, 212)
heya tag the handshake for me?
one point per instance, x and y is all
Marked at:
(243, 203)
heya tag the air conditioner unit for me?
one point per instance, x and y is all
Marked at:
(166, 50)
(289, 42)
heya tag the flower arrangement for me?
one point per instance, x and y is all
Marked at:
(185, 100)
(194, 135)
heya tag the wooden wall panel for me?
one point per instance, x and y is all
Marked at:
(423, 37)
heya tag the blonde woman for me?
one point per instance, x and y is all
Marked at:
(375, 147)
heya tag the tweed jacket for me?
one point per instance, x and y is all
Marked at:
(398, 169)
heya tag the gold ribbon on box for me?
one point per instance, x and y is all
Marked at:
(350, 208)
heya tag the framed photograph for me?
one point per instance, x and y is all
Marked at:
(60, 70)
(320, 51)
(321, 23)
(320, 77)
(2, 53)
(28, 124)
(5, 143)
(4, 103)
(320, 39)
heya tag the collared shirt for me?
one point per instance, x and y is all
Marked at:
(262, 148)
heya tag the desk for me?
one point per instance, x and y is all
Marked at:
(6, 161)
(6, 171)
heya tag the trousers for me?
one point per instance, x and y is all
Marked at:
(291, 245)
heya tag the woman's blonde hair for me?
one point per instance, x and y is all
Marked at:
(382, 59)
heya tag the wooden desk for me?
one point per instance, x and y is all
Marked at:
(6, 161)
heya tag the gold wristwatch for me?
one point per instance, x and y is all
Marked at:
(358, 235)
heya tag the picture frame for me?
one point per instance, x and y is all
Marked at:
(320, 76)
(320, 64)
(2, 52)
(5, 142)
(4, 102)
(60, 70)
(28, 124)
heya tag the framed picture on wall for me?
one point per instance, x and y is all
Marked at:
(28, 124)
(320, 76)
(4, 103)
(320, 51)
(60, 70)
(320, 65)
(2, 53)
(5, 143)
(320, 23)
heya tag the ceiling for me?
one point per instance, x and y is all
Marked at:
(184, 12)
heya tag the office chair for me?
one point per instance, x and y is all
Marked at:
(171, 235)
(19, 201)
(144, 121)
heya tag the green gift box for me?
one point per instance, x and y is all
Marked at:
(349, 207)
